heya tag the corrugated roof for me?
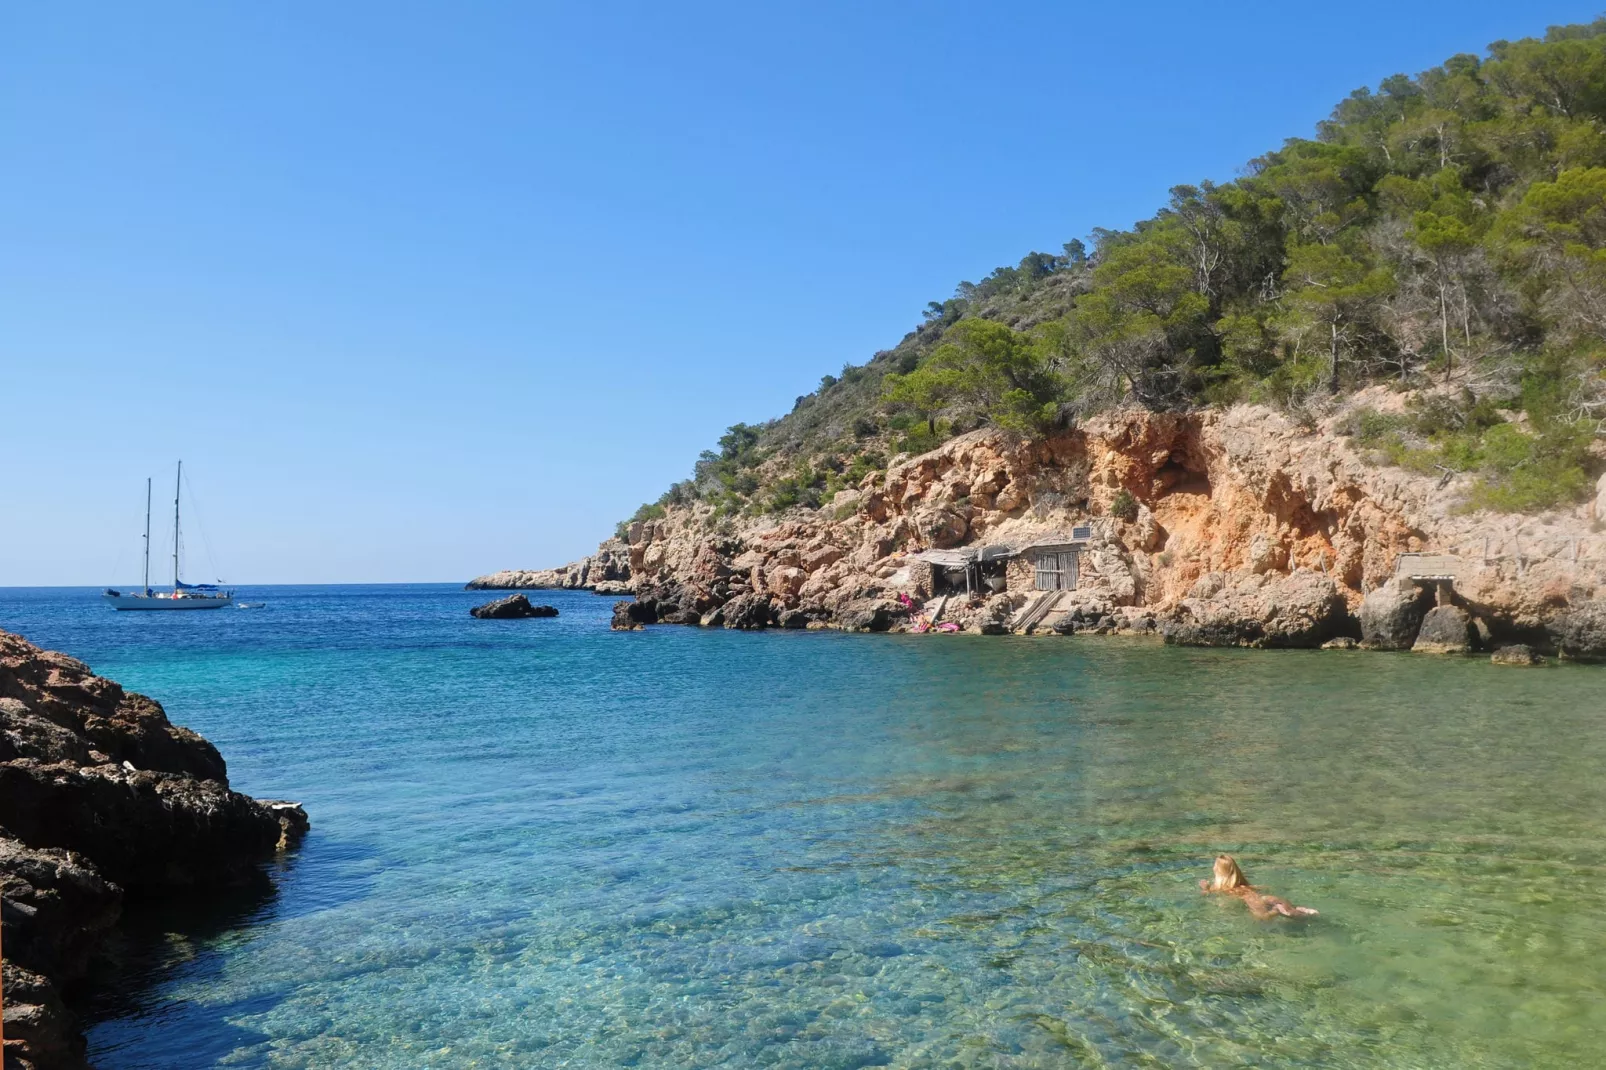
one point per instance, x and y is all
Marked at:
(946, 558)
(961, 556)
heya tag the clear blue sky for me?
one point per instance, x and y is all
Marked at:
(418, 291)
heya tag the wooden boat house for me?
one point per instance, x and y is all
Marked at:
(1048, 563)
(963, 570)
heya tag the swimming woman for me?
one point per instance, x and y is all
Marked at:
(1229, 879)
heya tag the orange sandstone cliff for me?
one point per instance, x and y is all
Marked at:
(1238, 527)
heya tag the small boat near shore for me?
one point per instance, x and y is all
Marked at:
(183, 595)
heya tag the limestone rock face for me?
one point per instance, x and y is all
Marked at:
(607, 572)
(942, 528)
(995, 616)
(1581, 632)
(1392, 614)
(1238, 493)
(1300, 610)
(1266, 555)
(101, 794)
(513, 607)
(1446, 630)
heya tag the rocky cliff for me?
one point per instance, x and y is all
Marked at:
(607, 572)
(101, 799)
(1227, 526)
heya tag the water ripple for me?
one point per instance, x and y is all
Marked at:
(544, 844)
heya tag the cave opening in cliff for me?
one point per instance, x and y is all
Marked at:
(1177, 475)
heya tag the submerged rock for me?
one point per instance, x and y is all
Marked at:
(101, 795)
(1516, 654)
(1445, 630)
(513, 607)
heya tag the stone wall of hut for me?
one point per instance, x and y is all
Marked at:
(920, 578)
(1021, 573)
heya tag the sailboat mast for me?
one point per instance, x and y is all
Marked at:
(177, 483)
(147, 534)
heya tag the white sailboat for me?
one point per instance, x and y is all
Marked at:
(183, 595)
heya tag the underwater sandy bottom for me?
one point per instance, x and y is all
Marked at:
(539, 843)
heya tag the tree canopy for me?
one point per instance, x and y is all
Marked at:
(1446, 230)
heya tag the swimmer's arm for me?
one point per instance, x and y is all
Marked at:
(1288, 910)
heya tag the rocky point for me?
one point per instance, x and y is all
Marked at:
(102, 799)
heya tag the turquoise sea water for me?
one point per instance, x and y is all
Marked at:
(539, 843)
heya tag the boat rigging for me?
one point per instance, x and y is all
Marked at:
(183, 595)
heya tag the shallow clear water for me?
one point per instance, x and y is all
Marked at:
(540, 843)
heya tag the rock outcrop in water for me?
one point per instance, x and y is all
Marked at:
(1581, 630)
(1302, 609)
(1237, 527)
(1391, 615)
(1516, 654)
(607, 572)
(632, 616)
(513, 607)
(1446, 630)
(101, 798)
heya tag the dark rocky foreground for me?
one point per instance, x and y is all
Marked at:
(513, 607)
(102, 799)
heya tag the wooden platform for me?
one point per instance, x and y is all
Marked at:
(1033, 612)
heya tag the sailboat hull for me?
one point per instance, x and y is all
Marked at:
(184, 596)
(167, 602)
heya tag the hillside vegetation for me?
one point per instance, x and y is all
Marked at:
(1444, 233)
